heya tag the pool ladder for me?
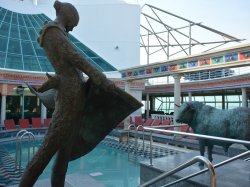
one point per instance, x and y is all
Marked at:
(19, 138)
(133, 147)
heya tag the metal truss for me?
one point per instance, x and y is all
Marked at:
(159, 38)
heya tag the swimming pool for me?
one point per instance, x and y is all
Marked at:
(104, 164)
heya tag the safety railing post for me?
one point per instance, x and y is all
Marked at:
(19, 147)
(17, 136)
(151, 148)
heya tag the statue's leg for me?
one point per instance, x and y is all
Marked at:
(202, 147)
(49, 147)
(202, 150)
(61, 165)
(226, 147)
(210, 152)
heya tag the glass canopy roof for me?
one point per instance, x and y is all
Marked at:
(20, 50)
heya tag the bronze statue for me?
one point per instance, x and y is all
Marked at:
(207, 120)
(84, 111)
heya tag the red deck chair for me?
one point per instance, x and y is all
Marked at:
(131, 120)
(36, 122)
(47, 122)
(184, 128)
(138, 121)
(24, 123)
(156, 122)
(147, 123)
(167, 122)
(9, 124)
(188, 130)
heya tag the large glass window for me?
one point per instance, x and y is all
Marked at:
(38, 21)
(2, 13)
(14, 62)
(14, 46)
(27, 48)
(2, 59)
(14, 32)
(7, 17)
(33, 34)
(24, 33)
(18, 36)
(166, 103)
(20, 20)
(33, 21)
(233, 101)
(31, 64)
(3, 44)
(4, 29)
(45, 64)
(14, 18)
(38, 49)
(27, 21)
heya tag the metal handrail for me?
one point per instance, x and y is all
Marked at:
(215, 166)
(136, 140)
(129, 128)
(199, 136)
(194, 135)
(19, 141)
(143, 137)
(16, 156)
(192, 161)
(143, 133)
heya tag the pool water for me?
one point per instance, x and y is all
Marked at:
(104, 164)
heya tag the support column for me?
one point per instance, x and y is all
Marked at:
(127, 119)
(147, 105)
(167, 79)
(43, 113)
(22, 105)
(152, 103)
(177, 94)
(3, 109)
(189, 96)
(244, 97)
(223, 101)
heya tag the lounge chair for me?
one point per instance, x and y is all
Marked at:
(9, 124)
(147, 123)
(24, 123)
(156, 122)
(167, 122)
(36, 122)
(47, 122)
(138, 121)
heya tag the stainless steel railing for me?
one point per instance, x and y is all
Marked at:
(135, 143)
(183, 166)
(152, 129)
(190, 162)
(19, 138)
(136, 129)
(204, 170)
(143, 133)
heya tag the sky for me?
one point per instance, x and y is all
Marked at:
(228, 16)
